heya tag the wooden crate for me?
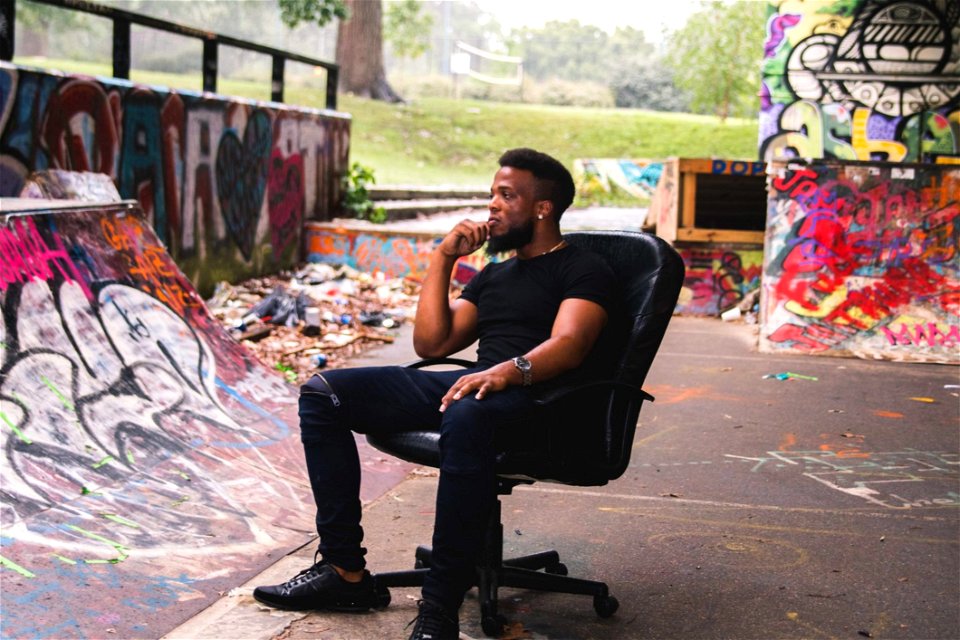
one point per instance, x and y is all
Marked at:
(711, 200)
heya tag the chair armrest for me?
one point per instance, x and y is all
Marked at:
(553, 395)
(429, 362)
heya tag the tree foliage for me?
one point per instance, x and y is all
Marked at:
(573, 51)
(649, 86)
(716, 57)
(319, 12)
(407, 28)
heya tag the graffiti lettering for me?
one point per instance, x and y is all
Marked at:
(738, 167)
(286, 200)
(125, 435)
(918, 333)
(199, 165)
(823, 95)
(25, 256)
(862, 248)
(718, 279)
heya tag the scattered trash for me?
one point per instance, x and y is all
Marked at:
(887, 414)
(788, 375)
(850, 435)
(514, 631)
(318, 316)
(927, 400)
(865, 634)
(835, 411)
(731, 314)
(951, 386)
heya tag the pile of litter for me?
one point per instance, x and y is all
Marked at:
(317, 317)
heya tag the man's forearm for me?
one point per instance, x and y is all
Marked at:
(434, 319)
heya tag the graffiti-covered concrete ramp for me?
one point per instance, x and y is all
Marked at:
(149, 462)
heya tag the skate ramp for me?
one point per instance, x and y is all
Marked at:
(150, 463)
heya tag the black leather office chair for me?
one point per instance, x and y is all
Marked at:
(590, 434)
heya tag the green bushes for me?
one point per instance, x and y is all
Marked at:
(356, 197)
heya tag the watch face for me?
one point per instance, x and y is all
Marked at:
(522, 363)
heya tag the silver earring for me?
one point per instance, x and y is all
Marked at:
(540, 217)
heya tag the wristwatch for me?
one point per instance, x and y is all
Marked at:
(525, 367)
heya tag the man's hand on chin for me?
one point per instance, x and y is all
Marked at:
(465, 238)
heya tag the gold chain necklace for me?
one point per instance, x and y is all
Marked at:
(555, 247)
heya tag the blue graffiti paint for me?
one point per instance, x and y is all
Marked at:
(141, 158)
(284, 429)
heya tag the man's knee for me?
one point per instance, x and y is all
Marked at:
(319, 409)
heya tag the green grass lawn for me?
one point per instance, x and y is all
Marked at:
(445, 141)
(435, 141)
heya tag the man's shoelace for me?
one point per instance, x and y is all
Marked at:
(304, 576)
(430, 622)
(307, 574)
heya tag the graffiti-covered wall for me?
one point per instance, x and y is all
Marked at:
(638, 178)
(225, 183)
(718, 277)
(395, 255)
(861, 259)
(144, 450)
(862, 80)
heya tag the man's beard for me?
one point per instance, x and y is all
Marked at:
(512, 239)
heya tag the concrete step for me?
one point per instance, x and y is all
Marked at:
(417, 192)
(410, 209)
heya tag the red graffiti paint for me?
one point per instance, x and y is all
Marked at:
(285, 199)
(864, 249)
(78, 101)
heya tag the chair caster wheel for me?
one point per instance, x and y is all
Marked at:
(382, 598)
(605, 606)
(558, 569)
(493, 625)
(423, 557)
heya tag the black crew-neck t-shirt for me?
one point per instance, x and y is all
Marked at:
(517, 302)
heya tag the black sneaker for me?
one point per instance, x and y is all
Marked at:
(320, 587)
(433, 623)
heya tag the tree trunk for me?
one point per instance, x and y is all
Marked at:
(360, 52)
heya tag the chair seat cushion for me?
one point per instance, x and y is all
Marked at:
(423, 447)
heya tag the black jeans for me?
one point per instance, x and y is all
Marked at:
(393, 399)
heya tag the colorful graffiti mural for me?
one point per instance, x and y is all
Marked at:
(861, 259)
(862, 80)
(396, 255)
(225, 183)
(145, 453)
(637, 178)
(718, 277)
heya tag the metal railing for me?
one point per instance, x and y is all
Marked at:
(211, 43)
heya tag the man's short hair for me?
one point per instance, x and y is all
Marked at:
(554, 182)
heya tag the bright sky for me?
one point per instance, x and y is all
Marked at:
(651, 16)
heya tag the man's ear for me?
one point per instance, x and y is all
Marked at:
(543, 209)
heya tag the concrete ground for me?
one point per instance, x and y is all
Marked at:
(753, 508)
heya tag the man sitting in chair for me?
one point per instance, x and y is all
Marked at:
(536, 316)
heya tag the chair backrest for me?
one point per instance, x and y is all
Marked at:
(650, 273)
(590, 441)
